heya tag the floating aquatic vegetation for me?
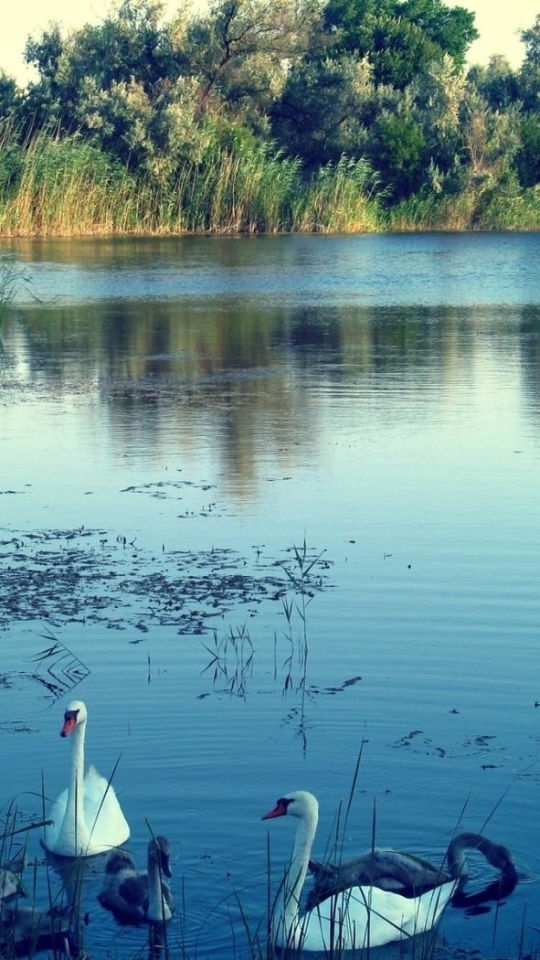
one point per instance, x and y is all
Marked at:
(93, 576)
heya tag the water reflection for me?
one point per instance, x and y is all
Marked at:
(173, 416)
(244, 376)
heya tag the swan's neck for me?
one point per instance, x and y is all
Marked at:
(74, 830)
(285, 922)
(497, 855)
(158, 908)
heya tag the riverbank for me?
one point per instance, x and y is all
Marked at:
(69, 187)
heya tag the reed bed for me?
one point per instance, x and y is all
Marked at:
(69, 187)
(481, 206)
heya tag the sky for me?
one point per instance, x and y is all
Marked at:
(497, 21)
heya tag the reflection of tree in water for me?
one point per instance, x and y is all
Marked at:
(529, 344)
(241, 377)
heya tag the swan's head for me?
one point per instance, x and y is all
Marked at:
(501, 858)
(300, 803)
(74, 715)
(159, 853)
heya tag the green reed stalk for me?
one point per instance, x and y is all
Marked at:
(68, 186)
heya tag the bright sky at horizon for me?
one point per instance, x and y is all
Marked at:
(498, 29)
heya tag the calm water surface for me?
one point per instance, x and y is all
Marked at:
(175, 417)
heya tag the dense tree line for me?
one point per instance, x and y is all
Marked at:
(313, 82)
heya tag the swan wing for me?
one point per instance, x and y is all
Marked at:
(119, 860)
(9, 884)
(126, 894)
(133, 890)
(56, 814)
(366, 916)
(386, 868)
(429, 907)
(102, 813)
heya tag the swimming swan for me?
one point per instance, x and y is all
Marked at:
(138, 895)
(87, 818)
(408, 874)
(359, 916)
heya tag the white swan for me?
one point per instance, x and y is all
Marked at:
(410, 875)
(86, 818)
(358, 917)
(138, 895)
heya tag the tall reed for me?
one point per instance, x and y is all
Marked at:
(69, 186)
(25, 928)
(341, 198)
(483, 205)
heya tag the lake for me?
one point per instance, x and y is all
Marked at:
(268, 505)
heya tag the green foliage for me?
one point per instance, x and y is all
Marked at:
(510, 208)
(67, 186)
(529, 79)
(250, 115)
(44, 53)
(240, 48)
(10, 99)
(341, 199)
(497, 83)
(320, 115)
(451, 29)
(400, 37)
(528, 158)
(251, 189)
(400, 149)
(11, 165)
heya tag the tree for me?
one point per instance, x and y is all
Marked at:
(498, 83)
(129, 45)
(491, 139)
(118, 81)
(44, 53)
(529, 76)
(439, 94)
(528, 157)
(398, 152)
(323, 110)
(10, 99)
(400, 37)
(241, 48)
